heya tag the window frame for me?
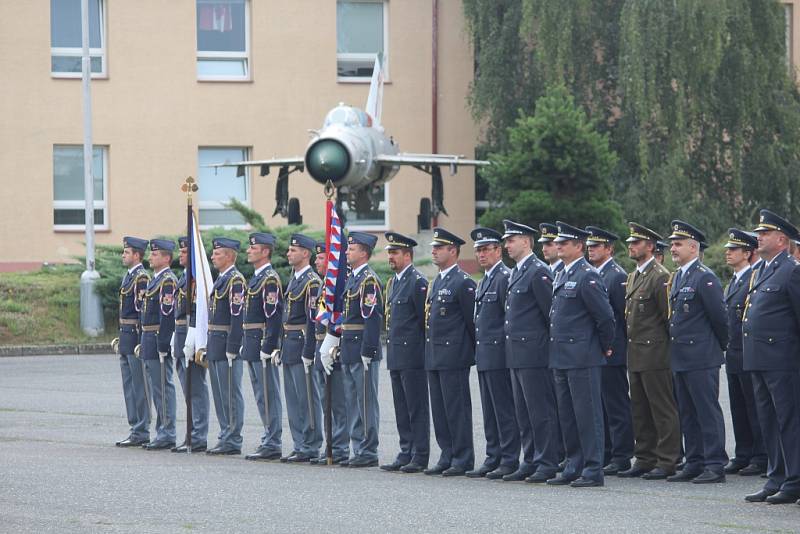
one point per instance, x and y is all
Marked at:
(81, 204)
(217, 55)
(382, 205)
(101, 52)
(219, 205)
(366, 56)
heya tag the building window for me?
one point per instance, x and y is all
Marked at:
(375, 219)
(360, 36)
(68, 198)
(223, 40)
(219, 186)
(788, 12)
(65, 38)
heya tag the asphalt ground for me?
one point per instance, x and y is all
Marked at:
(60, 472)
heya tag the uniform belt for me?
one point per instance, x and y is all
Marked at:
(254, 326)
(150, 328)
(294, 327)
(319, 337)
(132, 322)
(352, 327)
(219, 328)
(180, 322)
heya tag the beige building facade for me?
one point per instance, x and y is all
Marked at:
(182, 82)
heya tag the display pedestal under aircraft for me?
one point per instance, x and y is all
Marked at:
(355, 154)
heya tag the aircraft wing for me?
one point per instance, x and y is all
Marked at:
(418, 160)
(265, 164)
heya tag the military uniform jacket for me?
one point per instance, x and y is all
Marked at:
(615, 280)
(771, 324)
(158, 310)
(405, 320)
(263, 305)
(299, 311)
(449, 323)
(647, 318)
(490, 303)
(362, 317)
(225, 305)
(131, 296)
(698, 325)
(527, 321)
(581, 319)
(735, 296)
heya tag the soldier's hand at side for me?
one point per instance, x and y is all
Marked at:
(276, 357)
(609, 352)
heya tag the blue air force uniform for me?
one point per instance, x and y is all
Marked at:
(298, 343)
(771, 342)
(749, 451)
(225, 306)
(362, 320)
(158, 325)
(340, 439)
(449, 354)
(494, 380)
(698, 332)
(405, 357)
(134, 384)
(581, 332)
(527, 327)
(263, 307)
(617, 419)
(199, 393)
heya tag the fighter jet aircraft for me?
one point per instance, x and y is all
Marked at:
(354, 153)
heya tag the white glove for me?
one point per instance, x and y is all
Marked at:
(328, 343)
(162, 356)
(366, 361)
(241, 351)
(115, 345)
(231, 356)
(327, 360)
(276, 357)
(172, 343)
(188, 345)
(307, 363)
(265, 356)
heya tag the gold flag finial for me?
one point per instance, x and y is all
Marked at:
(189, 186)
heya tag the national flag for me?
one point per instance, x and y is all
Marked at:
(201, 274)
(330, 309)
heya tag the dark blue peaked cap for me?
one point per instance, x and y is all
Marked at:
(398, 241)
(768, 220)
(741, 239)
(567, 232)
(485, 236)
(262, 238)
(684, 230)
(514, 228)
(134, 242)
(362, 238)
(320, 247)
(183, 242)
(303, 241)
(598, 236)
(225, 242)
(162, 244)
(549, 232)
(443, 237)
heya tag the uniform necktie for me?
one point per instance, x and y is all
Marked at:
(677, 282)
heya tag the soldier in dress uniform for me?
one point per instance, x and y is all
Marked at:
(158, 325)
(750, 455)
(404, 307)
(134, 382)
(184, 351)
(263, 311)
(225, 306)
(655, 416)
(698, 336)
(581, 337)
(449, 354)
(340, 439)
(297, 351)
(547, 234)
(494, 380)
(616, 402)
(771, 342)
(661, 247)
(527, 332)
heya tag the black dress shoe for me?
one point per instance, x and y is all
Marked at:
(760, 496)
(614, 468)
(561, 480)
(264, 454)
(223, 451)
(684, 476)
(500, 472)
(734, 467)
(159, 445)
(412, 468)
(285, 459)
(480, 472)
(454, 471)
(709, 477)
(132, 442)
(586, 483)
(394, 466)
(539, 477)
(517, 476)
(657, 474)
(196, 447)
(436, 469)
(345, 462)
(360, 461)
(298, 458)
(752, 470)
(634, 472)
(782, 498)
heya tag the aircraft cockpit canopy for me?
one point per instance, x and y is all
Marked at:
(347, 116)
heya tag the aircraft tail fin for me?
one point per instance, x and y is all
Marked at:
(375, 98)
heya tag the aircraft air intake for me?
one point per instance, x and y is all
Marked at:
(328, 159)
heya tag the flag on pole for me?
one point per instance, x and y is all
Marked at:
(201, 273)
(330, 309)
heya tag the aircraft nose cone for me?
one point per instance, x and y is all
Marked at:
(327, 160)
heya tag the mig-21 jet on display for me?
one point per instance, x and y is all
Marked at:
(355, 154)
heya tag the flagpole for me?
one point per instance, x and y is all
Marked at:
(189, 187)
